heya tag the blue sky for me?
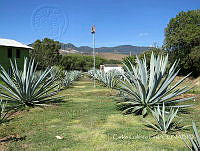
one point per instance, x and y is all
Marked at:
(118, 22)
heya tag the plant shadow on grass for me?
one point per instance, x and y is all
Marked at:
(184, 111)
(12, 138)
(51, 102)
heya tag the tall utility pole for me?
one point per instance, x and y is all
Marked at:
(93, 31)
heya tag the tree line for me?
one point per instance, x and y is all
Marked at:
(46, 53)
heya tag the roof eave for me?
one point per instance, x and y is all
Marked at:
(26, 47)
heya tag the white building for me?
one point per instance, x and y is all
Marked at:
(109, 67)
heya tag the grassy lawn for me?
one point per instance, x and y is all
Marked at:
(88, 121)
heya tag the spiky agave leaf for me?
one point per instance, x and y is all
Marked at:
(91, 73)
(26, 87)
(5, 111)
(164, 120)
(2, 111)
(194, 140)
(149, 88)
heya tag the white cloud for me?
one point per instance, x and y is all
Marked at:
(143, 34)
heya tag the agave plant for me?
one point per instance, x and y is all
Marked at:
(69, 78)
(27, 87)
(195, 140)
(75, 75)
(6, 111)
(57, 72)
(91, 73)
(164, 120)
(108, 79)
(144, 88)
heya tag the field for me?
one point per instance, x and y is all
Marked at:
(112, 56)
(88, 120)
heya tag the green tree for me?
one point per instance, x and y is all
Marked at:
(147, 54)
(157, 51)
(182, 40)
(129, 59)
(46, 52)
(80, 62)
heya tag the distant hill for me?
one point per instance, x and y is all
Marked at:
(67, 46)
(122, 49)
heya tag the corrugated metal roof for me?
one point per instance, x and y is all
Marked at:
(13, 43)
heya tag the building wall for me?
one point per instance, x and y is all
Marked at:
(5, 61)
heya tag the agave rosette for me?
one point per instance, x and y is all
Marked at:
(145, 88)
(164, 120)
(27, 87)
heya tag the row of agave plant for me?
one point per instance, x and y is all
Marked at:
(29, 87)
(65, 78)
(107, 79)
(150, 89)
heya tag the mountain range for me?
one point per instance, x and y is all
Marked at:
(122, 49)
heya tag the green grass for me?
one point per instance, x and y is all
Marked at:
(88, 121)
